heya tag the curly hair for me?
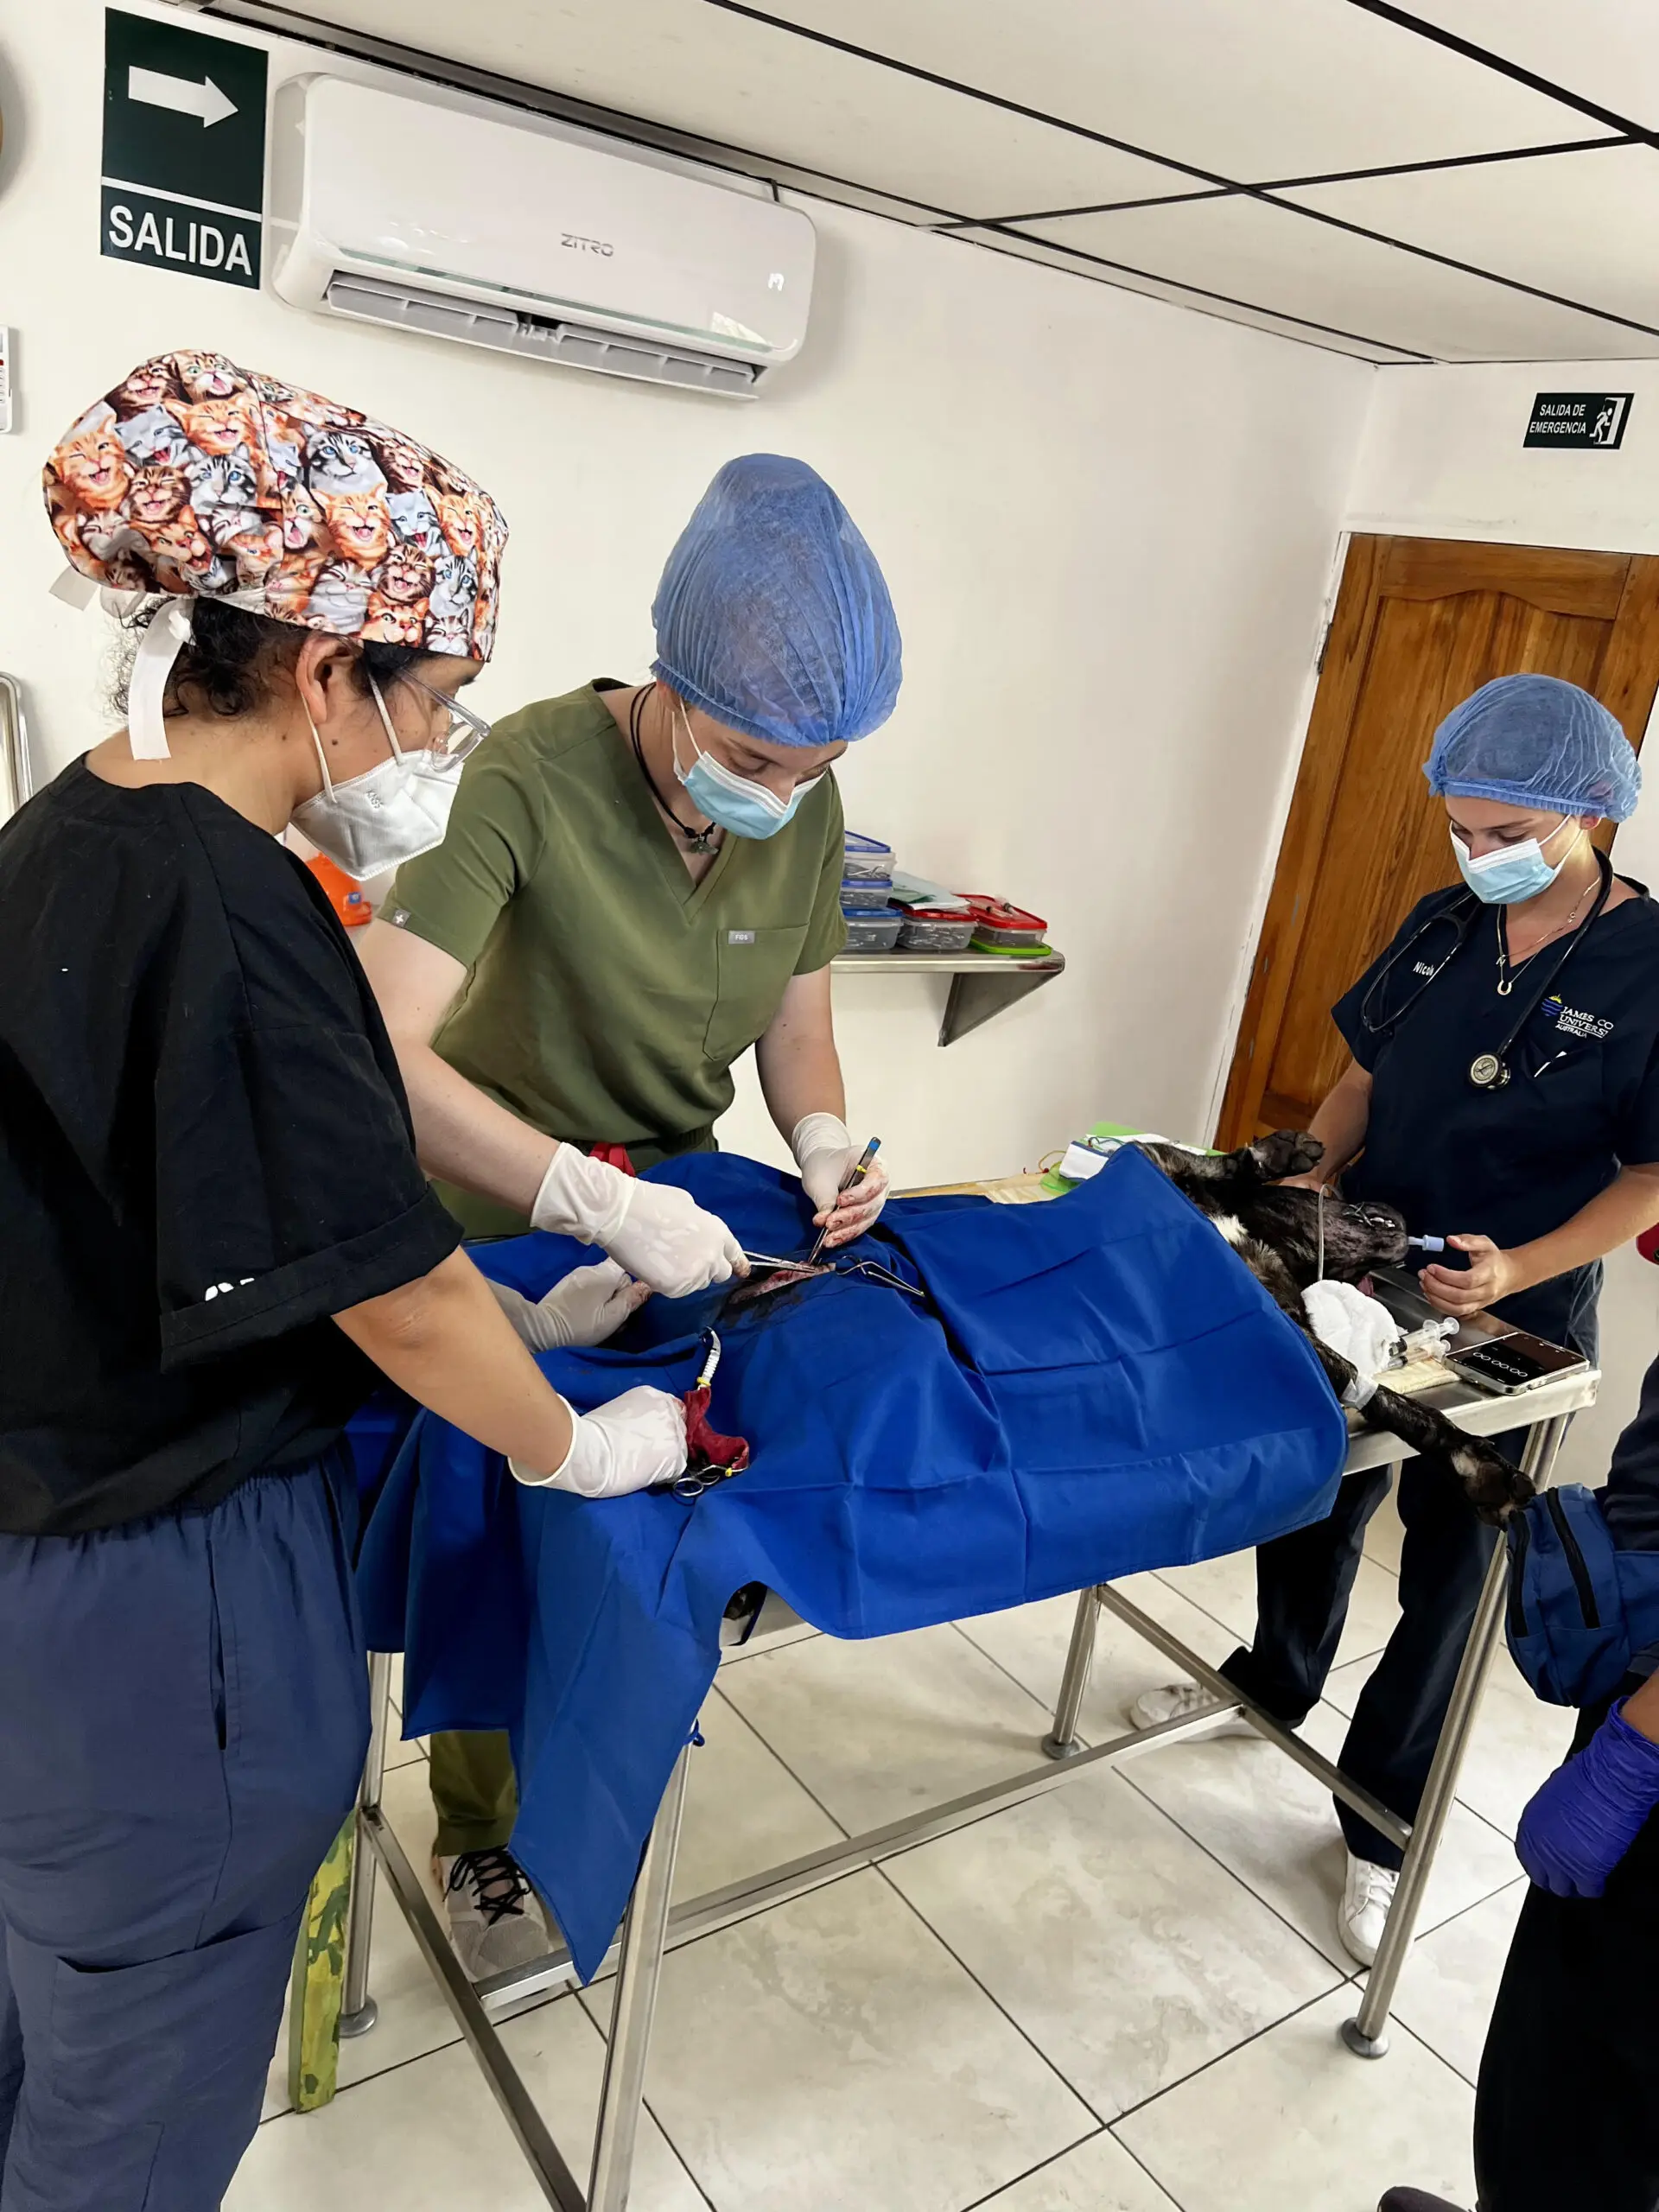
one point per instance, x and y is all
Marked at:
(227, 667)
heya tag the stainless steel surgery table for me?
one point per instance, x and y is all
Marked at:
(332, 1995)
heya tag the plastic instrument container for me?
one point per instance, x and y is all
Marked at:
(865, 891)
(866, 857)
(1002, 928)
(930, 929)
(871, 930)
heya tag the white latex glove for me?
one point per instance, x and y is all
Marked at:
(824, 1150)
(660, 1235)
(634, 1441)
(584, 1309)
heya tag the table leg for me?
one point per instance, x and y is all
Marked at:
(1367, 2034)
(359, 2012)
(638, 1972)
(329, 1995)
(1061, 1742)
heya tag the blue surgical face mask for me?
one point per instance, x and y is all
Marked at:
(736, 803)
(1514, 872)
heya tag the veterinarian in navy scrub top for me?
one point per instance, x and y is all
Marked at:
(1543, 966)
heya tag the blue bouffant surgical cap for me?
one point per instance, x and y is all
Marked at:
(773, 615)
(1536, 742)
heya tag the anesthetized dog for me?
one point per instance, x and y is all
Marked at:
(1276, 1233)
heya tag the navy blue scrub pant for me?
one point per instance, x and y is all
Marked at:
(183, 1719)
(1303, 1583)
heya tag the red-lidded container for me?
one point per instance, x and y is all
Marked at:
(1004, 927)
(935, 929)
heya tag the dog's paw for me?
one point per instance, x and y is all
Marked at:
(1287, 1151)
(1493, 1486)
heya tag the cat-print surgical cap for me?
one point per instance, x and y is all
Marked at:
(197, 478)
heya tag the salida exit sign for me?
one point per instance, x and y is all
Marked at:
(1578, 419)
(184, 150)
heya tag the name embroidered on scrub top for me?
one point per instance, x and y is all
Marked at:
(1574, 1021)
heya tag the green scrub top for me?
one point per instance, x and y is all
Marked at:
(608, 994)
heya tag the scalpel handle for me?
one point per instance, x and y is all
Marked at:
(855, 1173)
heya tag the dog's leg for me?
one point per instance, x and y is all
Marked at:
(1493, 1486)
(1225, 1176)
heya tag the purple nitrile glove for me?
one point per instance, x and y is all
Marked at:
(1586, 1816)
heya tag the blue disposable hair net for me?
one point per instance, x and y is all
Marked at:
(1534, 741)
(773, 615)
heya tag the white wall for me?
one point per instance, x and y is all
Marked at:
(1443, 457)
(1107, 524)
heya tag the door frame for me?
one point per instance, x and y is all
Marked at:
(1243, 975)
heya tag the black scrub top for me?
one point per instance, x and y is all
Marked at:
(1582, 1101)
(205, 1151)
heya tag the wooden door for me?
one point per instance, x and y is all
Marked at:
(1420, 623)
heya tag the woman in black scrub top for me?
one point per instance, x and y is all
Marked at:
(1503, 1093)
(215, 1233)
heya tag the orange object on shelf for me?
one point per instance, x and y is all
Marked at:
(345, 894)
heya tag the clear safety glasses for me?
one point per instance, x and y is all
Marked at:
(464, 731)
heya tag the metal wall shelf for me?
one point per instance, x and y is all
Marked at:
(983, 984)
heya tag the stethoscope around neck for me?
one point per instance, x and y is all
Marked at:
(1487, 1070)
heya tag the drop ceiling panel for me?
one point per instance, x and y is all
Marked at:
(1279, 260)
(1244, 90)
(1250, 88)
(1181, 295)
(1604, 50)
(698, 68)
(1567, 224)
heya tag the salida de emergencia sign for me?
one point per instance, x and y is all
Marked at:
(1578, 419)
(184, 150)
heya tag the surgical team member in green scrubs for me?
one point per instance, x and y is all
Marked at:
(638, 883)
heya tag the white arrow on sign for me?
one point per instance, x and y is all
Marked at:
(178, 93)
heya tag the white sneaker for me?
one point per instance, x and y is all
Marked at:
(1366, 1896)
(496, 1920)
(1174, 1702)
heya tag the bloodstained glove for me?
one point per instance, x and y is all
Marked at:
(824, 1153)
(632, 1443)
(1589, 1812)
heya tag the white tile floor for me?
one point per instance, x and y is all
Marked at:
(1123, 1997)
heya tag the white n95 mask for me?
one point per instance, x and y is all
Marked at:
(375, 822)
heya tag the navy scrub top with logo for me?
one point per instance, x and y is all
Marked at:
(1582, 1101)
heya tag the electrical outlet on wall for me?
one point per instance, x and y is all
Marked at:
(5, 377)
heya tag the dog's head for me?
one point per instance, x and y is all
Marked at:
(1359, 1234)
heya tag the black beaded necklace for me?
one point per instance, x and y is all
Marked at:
(699, 841)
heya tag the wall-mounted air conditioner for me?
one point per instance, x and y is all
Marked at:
(532, 238)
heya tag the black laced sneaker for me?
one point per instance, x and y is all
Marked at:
(496, 1920)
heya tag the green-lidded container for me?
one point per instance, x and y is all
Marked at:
(1058, 1185)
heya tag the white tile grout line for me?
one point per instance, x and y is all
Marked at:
(1255, 2035)
(989, 2204)
(679, 2157)
(1350, 1976)
(1109, 2127)
(993, 1813)
(1043, 2057)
